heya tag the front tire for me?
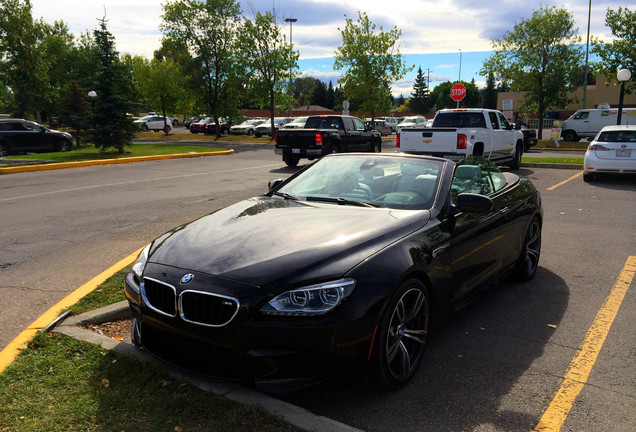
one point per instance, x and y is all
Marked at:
(570, 135)
(144, 127)
(4, 150)
(63, 146)
(402, 334)
(528, 260)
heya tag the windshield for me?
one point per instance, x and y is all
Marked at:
(398, 182)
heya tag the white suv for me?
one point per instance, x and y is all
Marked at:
(154, 123)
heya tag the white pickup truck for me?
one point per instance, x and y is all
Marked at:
(457, 133)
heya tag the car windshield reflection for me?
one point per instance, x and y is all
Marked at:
(398, 182)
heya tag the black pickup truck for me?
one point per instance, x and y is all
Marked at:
(324, 134)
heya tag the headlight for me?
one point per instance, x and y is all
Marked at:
(312, 300)
(140, 262)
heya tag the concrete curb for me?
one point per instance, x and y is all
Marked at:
(293, 414)
(63, 165)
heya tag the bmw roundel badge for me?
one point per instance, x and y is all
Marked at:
(186, 278)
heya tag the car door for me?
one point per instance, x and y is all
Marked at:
(479, 241)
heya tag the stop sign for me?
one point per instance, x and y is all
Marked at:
(458, 92)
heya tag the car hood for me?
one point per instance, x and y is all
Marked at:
(266, 240)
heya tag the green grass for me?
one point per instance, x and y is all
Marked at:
(91, 153)
(109, 292)
(550, 144)
(61, 384)
(554, 160)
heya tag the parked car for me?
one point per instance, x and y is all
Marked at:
(246, 128)
(23, 136)
(224, 127)
(199, 126)
(265, 128)
(380, 247)
(325, 134)
(412, 122)
(380, 125)
(613, 150)
(391, 122)
(154, 123)
(296, 123)
(191, 120)
(586, 123)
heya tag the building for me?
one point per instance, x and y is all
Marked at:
(597, 94)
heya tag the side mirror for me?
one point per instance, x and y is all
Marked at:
(518, 125)
(473, 203)
(272, 184)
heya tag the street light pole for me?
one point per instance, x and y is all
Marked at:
(290, 21)
(459, 79)
(623, 75)
(92, 95)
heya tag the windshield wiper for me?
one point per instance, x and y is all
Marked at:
(286, 196)
(340, 201)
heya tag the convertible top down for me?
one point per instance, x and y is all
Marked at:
(353, 257)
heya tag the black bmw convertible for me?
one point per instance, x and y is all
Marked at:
(353, 258)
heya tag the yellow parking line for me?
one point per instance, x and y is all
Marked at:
(10, 352)
(565, 181)
(579, 369)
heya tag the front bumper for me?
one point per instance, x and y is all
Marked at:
(273, 353)
(298, 152)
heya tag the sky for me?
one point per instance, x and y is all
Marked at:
(448, 39)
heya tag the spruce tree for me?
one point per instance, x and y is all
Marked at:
(111, 126)
(419, 100)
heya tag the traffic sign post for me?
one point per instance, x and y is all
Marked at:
(458, 92)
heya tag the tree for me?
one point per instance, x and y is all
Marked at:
(319, 94)
(210, 30)
(419, 101)
(156, 81)
(620, 53)
(331, 96)
(440, 96)
(21, 61)
(111, 126)
(541, 56)
(371, 61)
(490, 92)
(268, 60)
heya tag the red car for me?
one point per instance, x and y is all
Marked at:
(224, 127)
(199, 127)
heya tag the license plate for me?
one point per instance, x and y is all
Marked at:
(296, 151)
(623, 153)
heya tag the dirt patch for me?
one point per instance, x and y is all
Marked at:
(118, 330)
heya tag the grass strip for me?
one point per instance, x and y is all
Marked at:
(61, 384)
(58, 383)
(553, 160)
(91, 153)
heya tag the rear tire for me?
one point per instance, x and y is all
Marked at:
(516, 162)
(4, 150)
(528, 260)
(587, 178)
(291, 161)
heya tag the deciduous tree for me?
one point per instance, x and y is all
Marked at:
(539, 55)
(371, 61)
(621, 52)
(209, 29)
(267, 61)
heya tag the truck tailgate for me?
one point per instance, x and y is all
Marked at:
(429, 140)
